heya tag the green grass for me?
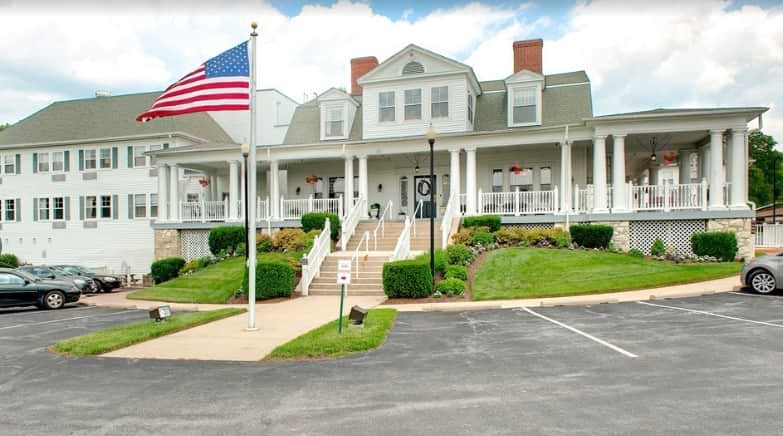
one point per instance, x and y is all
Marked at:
(536, 272)
(215, 284)
(118, 337)
(325, 342)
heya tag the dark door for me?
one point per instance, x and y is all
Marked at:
(14, 290)
(424, 191)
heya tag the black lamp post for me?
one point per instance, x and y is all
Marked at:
(431, 135)
(245, 153)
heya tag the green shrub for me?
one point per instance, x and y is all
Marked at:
(562, 238)
(465, 236)
(316, 221)
(635, 252)
(451, 287)
(721, 245)
(457, 272)
(591, 235)
(491, 221)
(166, 269)
(226, 239)
(658, 248)
(407, 279)
(273, 280)
(441, 260)
(459, 254)
(9, 260)
(482, 238)
(289, 240)
(263, 243)
(195, 265)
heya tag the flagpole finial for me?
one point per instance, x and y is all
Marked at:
(254, 25)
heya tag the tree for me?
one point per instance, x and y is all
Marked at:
(767, 164)
(4, 126)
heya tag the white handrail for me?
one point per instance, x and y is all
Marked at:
(452, 211)
(381, 225)
(322, 246)
(351, 221)
(355, 258)
(403, 248)
(419, 207)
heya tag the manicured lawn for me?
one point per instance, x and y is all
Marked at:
(537, 272)
(115, 338)
(325, 342)
(215, 284)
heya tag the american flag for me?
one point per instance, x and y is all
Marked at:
(220, 84)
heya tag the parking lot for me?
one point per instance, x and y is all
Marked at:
(706, 365)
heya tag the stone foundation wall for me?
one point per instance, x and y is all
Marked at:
(168, 243)
(740, 226)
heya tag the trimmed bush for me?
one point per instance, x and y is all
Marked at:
(635, 252)
(441, 260)
(263, 243)
(482, 238)
(465, 236)
(721, 245)
(491, 221)
(457, 272)
(407, 279)
(196, 264)
(166, 269)
(591, 235)
(316, 221)
(9, 260)
(451, 287)
(226, 239)
(658, 249)
(273, 280)
(289, 240)
(459, 254)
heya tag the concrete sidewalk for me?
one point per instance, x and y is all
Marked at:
(227, 339)
(119, 300)
(677, 291)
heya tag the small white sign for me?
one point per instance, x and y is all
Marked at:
(344, 272)
(344, 265)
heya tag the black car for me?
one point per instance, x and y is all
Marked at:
(17, 288)
(85, 284)
(105, 282)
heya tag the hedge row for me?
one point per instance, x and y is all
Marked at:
(273, 279)
(591, 235)
(407, 279)
(721, 245)
(8, 260)
(491, 221)
(316, 221)
(226, 239)
(166, 269)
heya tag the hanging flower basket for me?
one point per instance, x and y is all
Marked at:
(204, 182)
(516, 169)
(311, 180)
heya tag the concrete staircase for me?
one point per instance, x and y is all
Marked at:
(370, 277)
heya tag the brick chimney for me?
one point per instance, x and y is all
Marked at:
(360, 67)
(528, 55)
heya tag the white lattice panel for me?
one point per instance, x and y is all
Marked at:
(531, 225)
(195, 244)
(674, 232)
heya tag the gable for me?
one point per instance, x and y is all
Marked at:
(412, 62)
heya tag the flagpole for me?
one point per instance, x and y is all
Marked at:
(251, 168)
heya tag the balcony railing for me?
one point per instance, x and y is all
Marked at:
(518, 202)
(204, 211)
(294, 209)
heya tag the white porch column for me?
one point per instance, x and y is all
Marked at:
(470, 181)
(163, 192)
(274, 189)
(599, 174)
(174, 193)
(716, 170)
(652, 179)
(348, 184)
(213, 188)
(738, 163)
(454, 180)
(704, 162)
(684, 164)
(363, 187)
(619, 196)
(566, 190)
(233, 190)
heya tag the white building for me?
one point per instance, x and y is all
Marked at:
(76, 184)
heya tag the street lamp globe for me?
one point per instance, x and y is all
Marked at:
(431, 134)
(245, 148)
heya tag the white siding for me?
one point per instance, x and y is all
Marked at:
(274, 113)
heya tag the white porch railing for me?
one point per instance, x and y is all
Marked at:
(358, 251)
(403, 248)
(381, 224)
(351, 221)
(451, 212)
(419, 210)
(769, 235)
(518, 202)
(668, 197)
(263, 209)
(203, 211)
(294, 209)
(322, 246)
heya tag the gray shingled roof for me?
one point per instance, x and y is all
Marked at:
(669, 111)
(105, 117)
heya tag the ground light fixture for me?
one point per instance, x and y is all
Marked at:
(160, 313)
(431, 135)
(357, 315)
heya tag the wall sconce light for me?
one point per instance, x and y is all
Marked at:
(298, 190)
(416, 170)
(380, 187)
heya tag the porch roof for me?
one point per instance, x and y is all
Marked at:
(749, 112)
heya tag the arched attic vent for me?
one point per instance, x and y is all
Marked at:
(413, 67)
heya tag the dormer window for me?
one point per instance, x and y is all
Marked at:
(440, 102)
(525, 110)
(386, 106)
(334, 121)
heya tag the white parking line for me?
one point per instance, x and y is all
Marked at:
(704, 312)
(40, 312)
(65, 319)
(577, 331)
(744, 294)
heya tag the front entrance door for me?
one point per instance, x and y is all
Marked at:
(422, 190)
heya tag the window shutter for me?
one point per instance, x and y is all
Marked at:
(18, 208)
(114, 206)
(114, 157)
(130, 206)
(130, 156)
(35, 163)
(81, 160)
(67, 206)
(35, 209)
(18, 164)
(67, 160)
(81, 206)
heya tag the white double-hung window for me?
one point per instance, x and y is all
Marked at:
(440, 102)
(386, 106)
(139, 160)
(525, 105)
(58, 208)
(105, 211)
(105, 158)
(413, 104)
(43, 163)
(44, 209)
(9, 213)
(58, 161)
(335, 119)
(9, 164)
(140, 206)
(90, 159)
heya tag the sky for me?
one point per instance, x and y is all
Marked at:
(638, 55)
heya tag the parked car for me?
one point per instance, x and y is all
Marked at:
(105, 282)
(763, 274)
(85, 284)
(18, 288)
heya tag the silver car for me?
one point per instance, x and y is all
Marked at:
(763, 274)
